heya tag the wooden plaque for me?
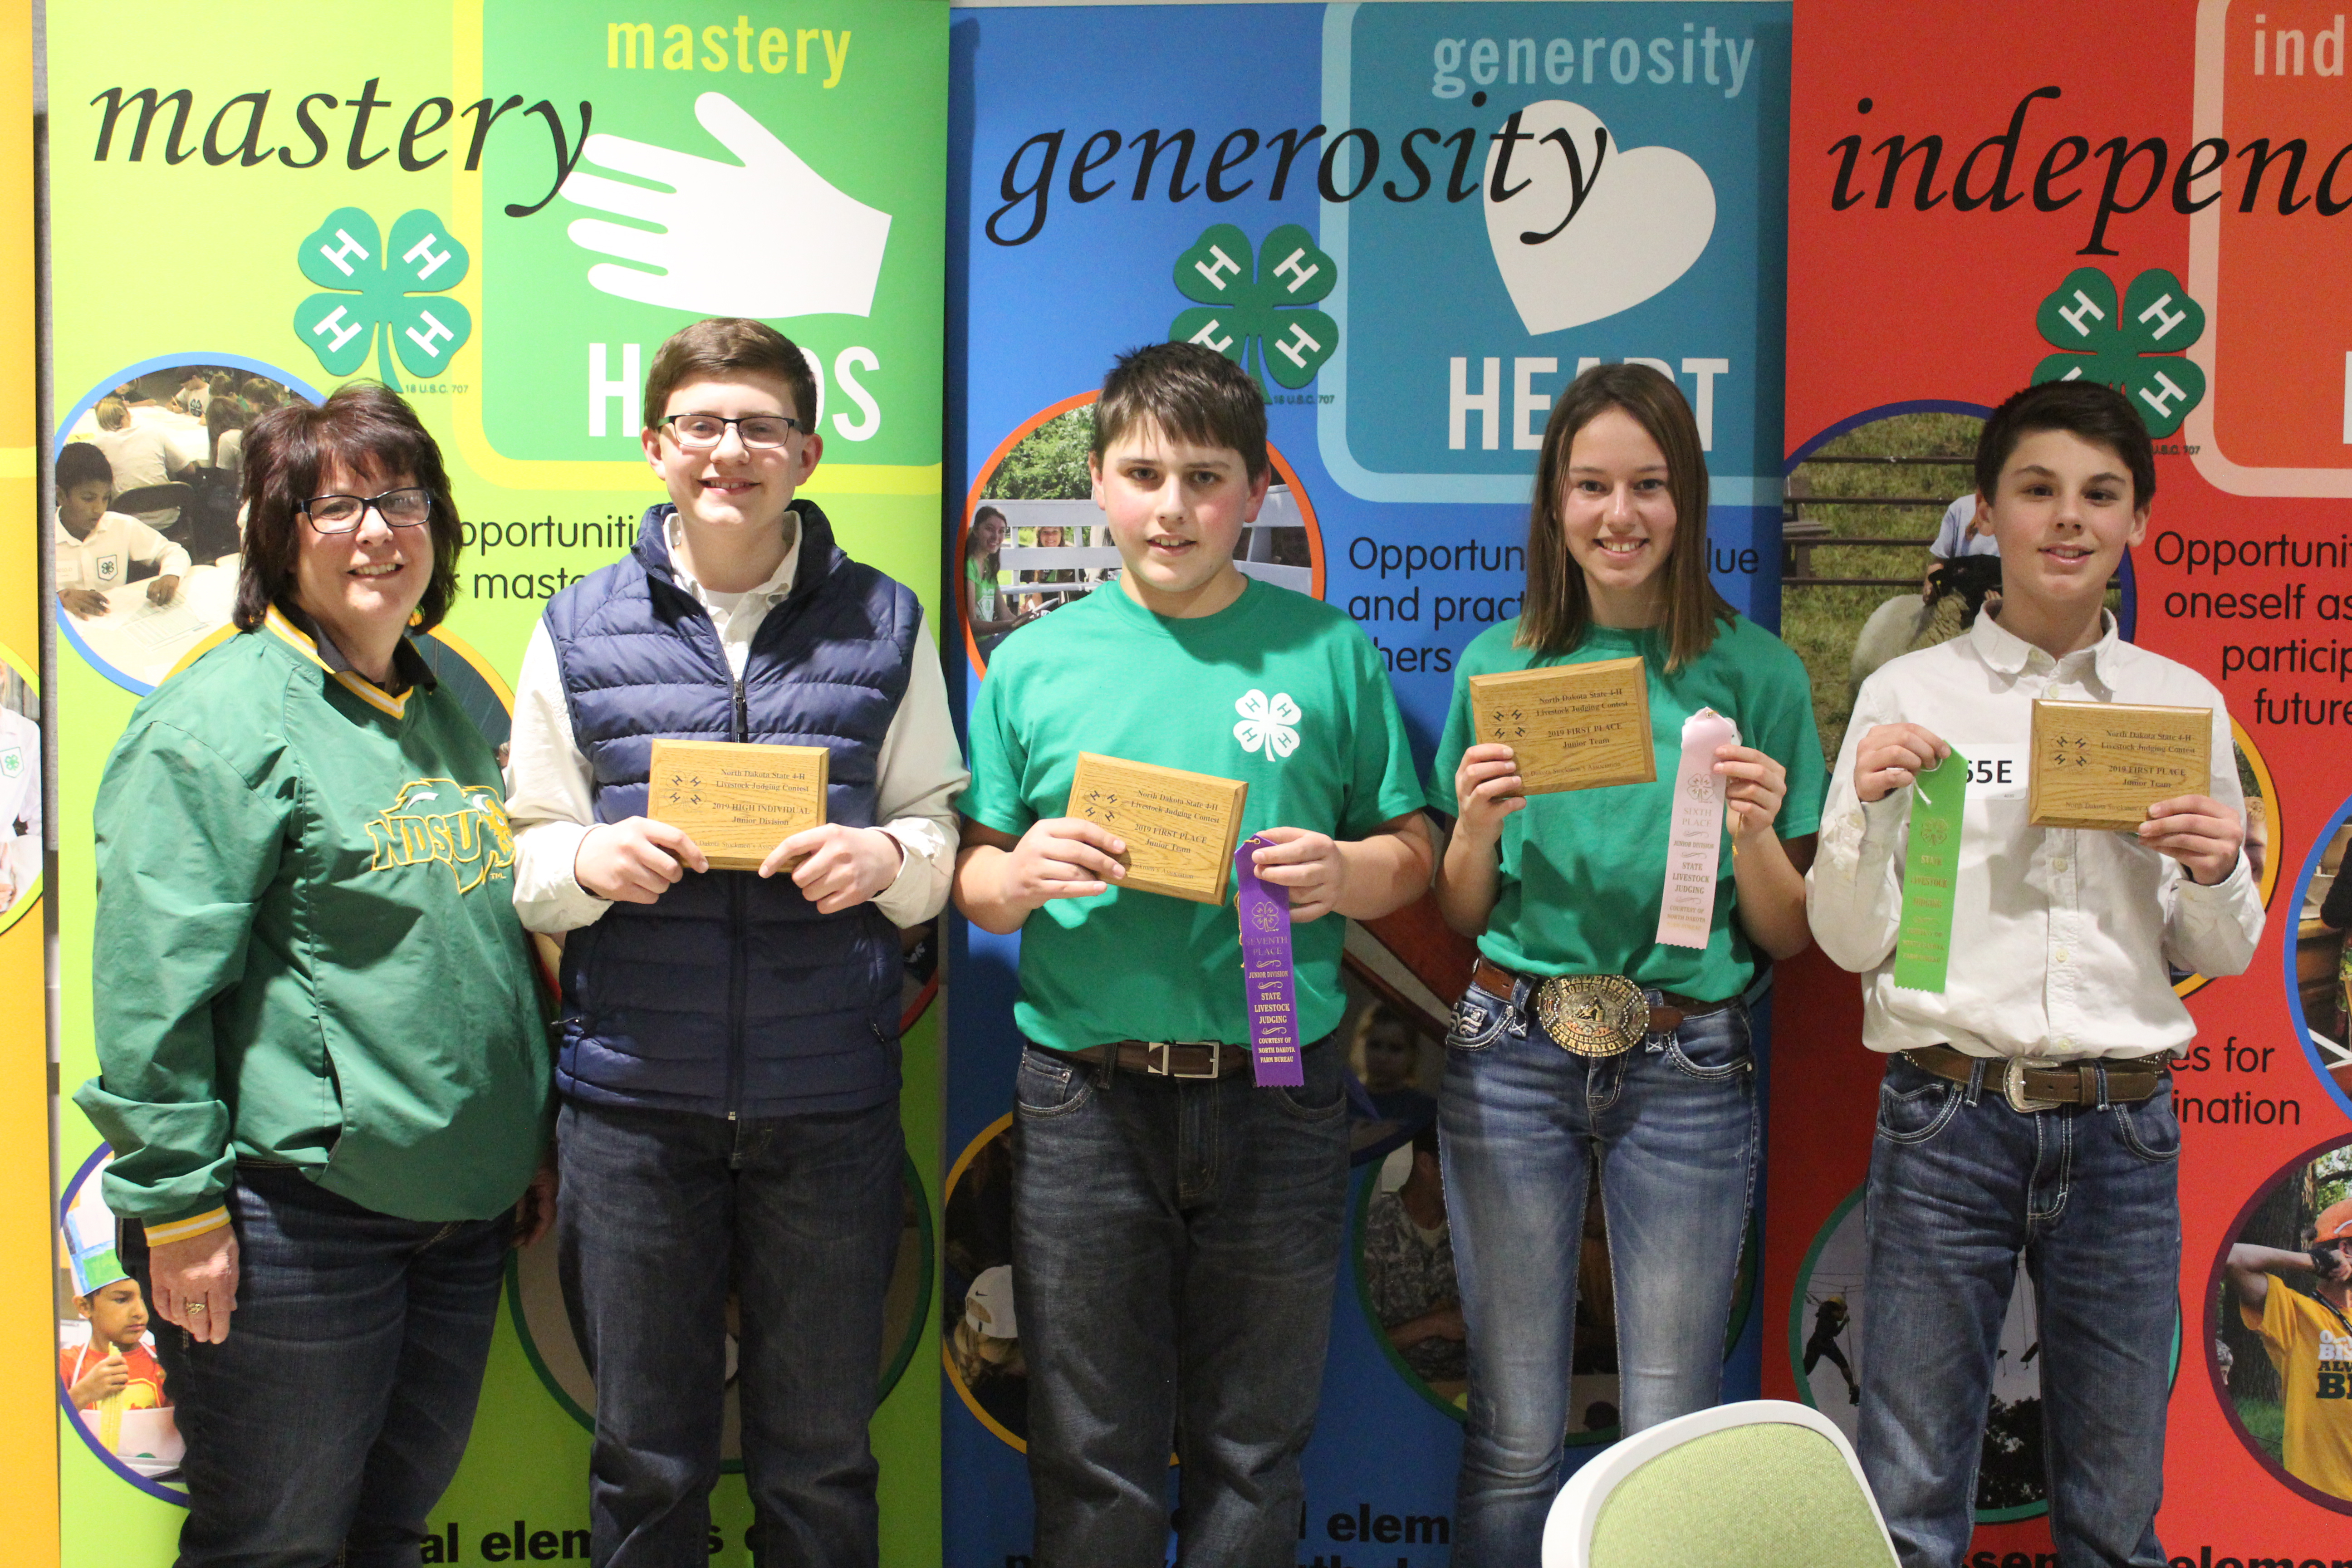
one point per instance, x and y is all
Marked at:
(2103, 765)
(1180, 827)
(1573, 726)
(736, 802)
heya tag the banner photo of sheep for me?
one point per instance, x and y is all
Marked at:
(2154, 220)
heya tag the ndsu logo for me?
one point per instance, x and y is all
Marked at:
(110, 568)
(462, 827)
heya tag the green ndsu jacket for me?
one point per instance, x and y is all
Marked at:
(307, 950)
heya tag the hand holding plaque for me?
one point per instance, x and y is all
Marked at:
(737, 802)
(1180, 827)
(1570, 726)
(2101, 764)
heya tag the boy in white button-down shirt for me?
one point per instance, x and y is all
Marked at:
(2062, 945)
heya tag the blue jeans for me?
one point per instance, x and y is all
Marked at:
(1174, 1249)
(1959, 1185)
(664, 1214)
(326, 1425)
(1672, 1123)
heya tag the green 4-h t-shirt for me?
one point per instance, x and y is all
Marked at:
(1583, 871)
(1276, 690)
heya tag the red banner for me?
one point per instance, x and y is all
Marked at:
(2154, 196)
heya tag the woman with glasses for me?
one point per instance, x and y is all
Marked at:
(324, 1067)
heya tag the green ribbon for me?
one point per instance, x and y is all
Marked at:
(1931, 864)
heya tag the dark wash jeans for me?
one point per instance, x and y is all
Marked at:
(1959, 1185)
(1174, 1247)
(663, 1213)
(326, 1425)
(1672, 1123)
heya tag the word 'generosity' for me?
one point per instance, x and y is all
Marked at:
(1027, 184)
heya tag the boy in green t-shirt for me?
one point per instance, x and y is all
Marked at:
(1177, 1229)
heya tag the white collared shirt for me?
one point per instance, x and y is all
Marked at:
(550, 795)
(104, 559)
(20, 786)
(2061, 937)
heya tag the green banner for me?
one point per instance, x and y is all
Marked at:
(1931, 864)
(501, 207)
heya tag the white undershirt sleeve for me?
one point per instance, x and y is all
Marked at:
(549, 798)
(920, 775)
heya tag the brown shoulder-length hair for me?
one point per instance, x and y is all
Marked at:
(364, 427)
(1557, 609)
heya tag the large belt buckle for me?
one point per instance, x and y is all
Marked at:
(1160, 1058)
(1592, 1015)
(2012, 1082)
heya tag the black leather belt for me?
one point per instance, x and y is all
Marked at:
(2038, 1083)
(1169, 1058)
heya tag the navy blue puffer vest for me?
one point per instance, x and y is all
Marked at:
(732, 994)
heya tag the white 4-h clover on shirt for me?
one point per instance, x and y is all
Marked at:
(1268, 723)
(20, 804)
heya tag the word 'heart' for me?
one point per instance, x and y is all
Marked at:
(1645, 216)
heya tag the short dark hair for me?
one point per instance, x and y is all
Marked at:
(80, 463)
(362, 425)
(1192, 392)
(1557, 609)
(723, 348)
(2088, 409)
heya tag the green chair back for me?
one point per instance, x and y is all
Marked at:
(1767, 1495)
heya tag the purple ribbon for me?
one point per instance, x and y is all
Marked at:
(1268, 994)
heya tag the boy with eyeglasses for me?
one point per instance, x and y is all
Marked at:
(728, 1057)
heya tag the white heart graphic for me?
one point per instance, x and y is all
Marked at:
(1647, 215)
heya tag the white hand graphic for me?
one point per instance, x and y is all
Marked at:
(765, 237)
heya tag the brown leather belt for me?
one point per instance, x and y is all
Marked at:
(1169, 1058)
(2036, 1083)
(1665, 1014)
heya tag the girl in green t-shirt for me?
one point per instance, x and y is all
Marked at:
(1583, 1040)
(985, 606)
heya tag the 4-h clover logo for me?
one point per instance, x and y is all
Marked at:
(374, 283)
(1252, 318)
(2135, 348)
(1266, 725)
(1934, 832)
(12, 762)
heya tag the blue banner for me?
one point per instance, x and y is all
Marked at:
(1413, 223)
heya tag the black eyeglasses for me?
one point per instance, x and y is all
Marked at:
(701, 432)
(410, 507)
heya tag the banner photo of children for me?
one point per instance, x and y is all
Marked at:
(2281, 1340)
(150, 519)
(1331, 215)
(1036, 540)
(107, 1373)
(20, 788)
